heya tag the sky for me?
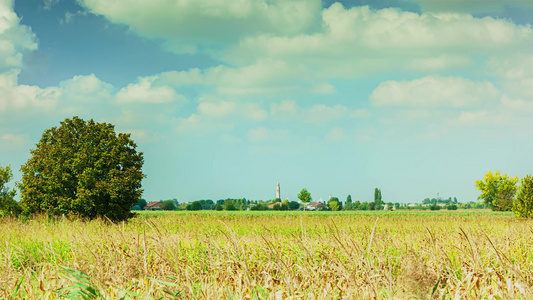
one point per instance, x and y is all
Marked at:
(227, 97)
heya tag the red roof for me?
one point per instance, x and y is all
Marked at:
(151, 204)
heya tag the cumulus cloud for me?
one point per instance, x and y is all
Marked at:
(360, 41)
(10, 141)
(86, 89)
(187, 25)
(317, 114)
(262, 134)
(336, 135)
(434, 91)
(515, 72)
(15, 39)
(471, 6)
(27, 98)
(144, 91)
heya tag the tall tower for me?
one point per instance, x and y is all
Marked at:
(277, 192)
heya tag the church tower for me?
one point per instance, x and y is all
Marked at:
(277, 192)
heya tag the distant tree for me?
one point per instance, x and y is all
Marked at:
(349, 199)
(434, 206)
(293, 205)
(455, 200)
(498, 191)
(219, 207)
(168, 205)
(136, 207)
(8, 205)
(371, 205)
(85, 169)
(357, 204)
(333, 199)
(334, 205)
(305, 196)
(229, 205)
(451, 207)
(365, 206)
(142, 203)
(276, 206)
(523, 206)
(396, 205)
(196, 205)
(377, 198)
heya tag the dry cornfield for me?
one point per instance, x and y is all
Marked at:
(270, 255)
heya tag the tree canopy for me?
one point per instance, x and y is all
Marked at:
(8, 205)
(498, 191)
(305, 196)
(523, 206)
(82, 168)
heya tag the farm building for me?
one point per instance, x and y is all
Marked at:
(154, 205)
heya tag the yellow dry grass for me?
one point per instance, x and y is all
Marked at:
(272, 255)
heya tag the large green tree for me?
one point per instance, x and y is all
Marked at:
(8, 205)
(497, 190)
(523, 206)
(85, 169)
(305, 196)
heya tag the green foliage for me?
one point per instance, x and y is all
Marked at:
(168, 205)
(349, 199)
(377, 198)
(498, 191)
(196, 205)
(83, 169)
(305, 196)
(451, 207)
(294, 205)
(334, 205)
(136, 207)
(142, 203)
(219, 207)
(523, 206)
(8, 205)
(434, 206)
(228, 204)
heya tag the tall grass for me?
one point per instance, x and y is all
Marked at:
(270, 255)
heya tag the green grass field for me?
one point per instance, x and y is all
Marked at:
(270, 255)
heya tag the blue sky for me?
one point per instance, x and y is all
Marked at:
(225, 98)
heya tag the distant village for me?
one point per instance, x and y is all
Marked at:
(332, 204)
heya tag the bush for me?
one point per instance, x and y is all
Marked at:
(136, 207)
(196, 205)
(434, 206)
(451, 207)
(8, 205)
(83, 169)
(219, 207)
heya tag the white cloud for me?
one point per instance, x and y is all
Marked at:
(359, 41)
(471, 6)
(86, 89)
(434, 91)
(27, 98)
(189, 24)
(10, 141)
(15, 39)
(336, 135)
(284, 110)
(515, 71)
(361, 113)
(321, 113)
(263, 134)
(144, 91)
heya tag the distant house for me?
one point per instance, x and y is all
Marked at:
(272, 205)
(154, 205)
(314, 206)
